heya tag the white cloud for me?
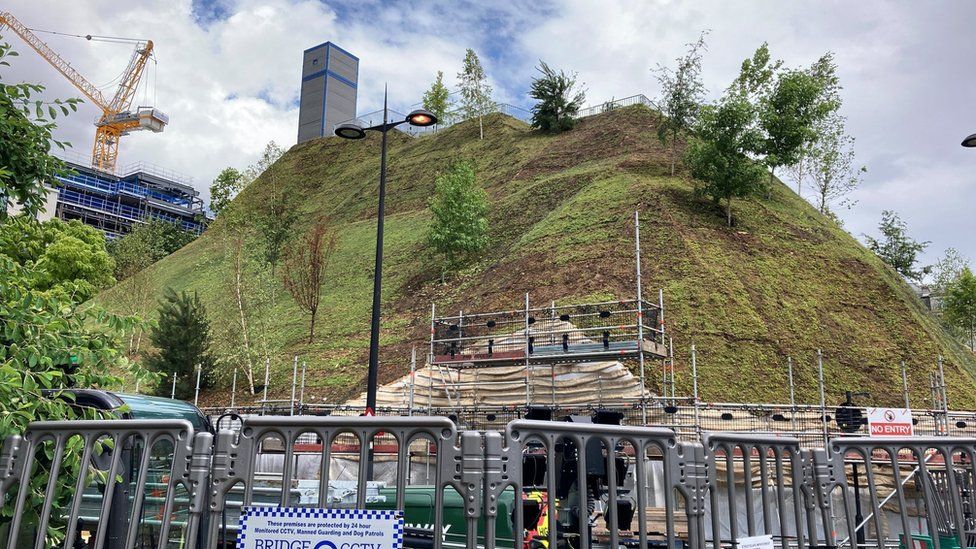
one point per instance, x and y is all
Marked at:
(231, 85)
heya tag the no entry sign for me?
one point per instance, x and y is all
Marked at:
(890, 422)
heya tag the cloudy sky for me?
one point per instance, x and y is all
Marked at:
(228, 73)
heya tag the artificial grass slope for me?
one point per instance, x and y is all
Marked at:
(784, 281)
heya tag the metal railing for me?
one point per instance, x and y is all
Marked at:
(557, 333)
(576, 484)
(607, 106)
(451, 118)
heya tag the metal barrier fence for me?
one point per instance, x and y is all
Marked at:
(574, 484)
(802, 421)
(119, 461)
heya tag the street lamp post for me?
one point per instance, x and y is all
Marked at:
(969, 141)
(353, 130)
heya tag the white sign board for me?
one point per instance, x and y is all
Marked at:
(890, 422)
(756, 542)
(311, 528)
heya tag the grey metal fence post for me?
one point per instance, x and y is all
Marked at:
(172, 393)
(196, 391)
(294, 383)
(233, 389)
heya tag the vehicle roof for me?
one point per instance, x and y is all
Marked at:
(153, 407)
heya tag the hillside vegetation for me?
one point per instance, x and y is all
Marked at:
(784, 280)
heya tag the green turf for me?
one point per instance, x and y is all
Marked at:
(784, 281)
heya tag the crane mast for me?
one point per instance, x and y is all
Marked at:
(117, 118)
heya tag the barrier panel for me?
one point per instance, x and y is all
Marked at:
(589, 459)
(781, 501)
(572, 484)
(929, 502)
(457, 464)
(135, 481)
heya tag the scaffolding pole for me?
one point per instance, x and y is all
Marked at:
(301, 395)
(942, 384)
(823, 397)
(904, 385)
(196, 390)
(528, 380)
(945, 398)
(671, 367)
(640, 318)
(267, 374)
(694, 387)
(294, 384)
(430, 361)
(789, 371)
(413, 377)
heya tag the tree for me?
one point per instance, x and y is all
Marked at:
(459, 227)
(756, 75)
(49, 343)
(959, 305)
(475, 90)
(271, 153)
(827, 105)
(277, 212)
(898, 250)
(224, 188)
(182, 339)
(26, 128)
(947, 270)
(437, 98)
(558, 99)
(60, 256)
(831, 165)
(682, 95)
(718, 155)
(146, 244)
(789, 115)
(305, 266)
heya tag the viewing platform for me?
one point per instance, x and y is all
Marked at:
(557, 334)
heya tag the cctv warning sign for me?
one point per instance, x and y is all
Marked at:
(890, 422)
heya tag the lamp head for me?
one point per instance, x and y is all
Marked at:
(969, 141)
(421, 118)
(350, 130)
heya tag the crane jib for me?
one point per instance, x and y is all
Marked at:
(117, 119)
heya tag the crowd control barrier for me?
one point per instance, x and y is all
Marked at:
(132, 480)
(576, 484)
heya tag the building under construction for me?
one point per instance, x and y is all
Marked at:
(116, 203)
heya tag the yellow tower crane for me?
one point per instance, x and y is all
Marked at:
(117, 118)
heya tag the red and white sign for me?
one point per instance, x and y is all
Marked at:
(890, 422)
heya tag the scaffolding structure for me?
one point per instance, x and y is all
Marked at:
(550, 336)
